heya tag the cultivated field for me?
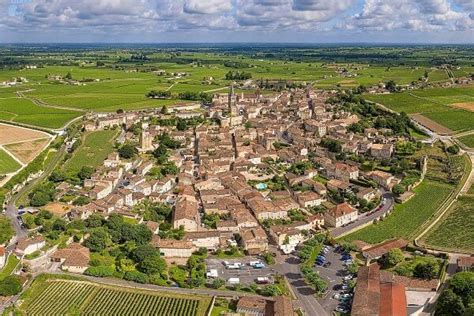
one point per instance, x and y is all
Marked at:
(27, 151)
(10, 134)
(436, 104)
(467, 140)
(7, 163)
(96, 146)
(455, 231)
(24, 111)
(428, 197)
(71, 297)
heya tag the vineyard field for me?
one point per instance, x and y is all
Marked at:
(73, 297)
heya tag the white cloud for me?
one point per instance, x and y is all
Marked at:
(207, 6)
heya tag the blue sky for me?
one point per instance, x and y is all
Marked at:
(305, 21)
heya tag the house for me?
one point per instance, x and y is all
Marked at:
(27, 246)
(465, 263)
(100, 191)
(345, 172)
(254, 240)
(381, 151)
(374, 296)
(74, 258)
(208, 239)
(382, 178)
(257, 306)
(340, 215)
(252, 306)
(377, 251)
(186, 214)
(368, 194)
(170, 248)
(286, 236)
(309, 199)
(154, 227)
(338, 185)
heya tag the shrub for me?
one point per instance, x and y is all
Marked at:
(136, 276)
(11, 285)
(100, 271)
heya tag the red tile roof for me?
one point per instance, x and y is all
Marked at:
(393, 300)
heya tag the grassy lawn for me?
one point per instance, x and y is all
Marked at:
(12, 262)
(456, 230)
(7, 163)
(467, 140)
(408, 217)
(6, 229)
(95, 148)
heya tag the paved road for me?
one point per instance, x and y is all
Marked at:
(12, 211)
(305, 295)
(364, 219)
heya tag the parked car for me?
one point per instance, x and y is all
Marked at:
(342, 310)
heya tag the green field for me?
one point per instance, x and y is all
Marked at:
(428, 197)
(9, 267)
(96, 146)
(434, 104)
(455, 231)
(7, 163)
(467, 140)
(72, 297)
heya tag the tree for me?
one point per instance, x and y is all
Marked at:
(462, 284)
(98, 240)
(40, 198)
(11, 285)
(127, 151)
(391, 86)
(398, 189)
(136, 276)
(449, 304)
(68, 75)
(272, 290)
(164, 110)
(95, 220)
(85, 172)
(392, 258)
(152, 265)
(426, 270)
(181, 125)
(217, 283)
(57, 176)
(141, 252)
(454, 149)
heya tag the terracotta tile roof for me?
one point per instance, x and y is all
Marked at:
(393, 300)
(341, 210)
(367, 292)
(465, 262)
(381, 249)
(24, 243)
(251, 303)
(73, 255)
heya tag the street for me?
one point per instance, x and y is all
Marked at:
(363, 219)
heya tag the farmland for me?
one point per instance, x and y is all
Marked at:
(428, 196)
(458, 224)
(93, 151)
(24, 111)
(467, 140)
(7, 163)
(436, 104)
(61, 297)
(107, 79)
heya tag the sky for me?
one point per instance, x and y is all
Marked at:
(207, 21)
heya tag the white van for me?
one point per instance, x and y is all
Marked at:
(233, 281)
